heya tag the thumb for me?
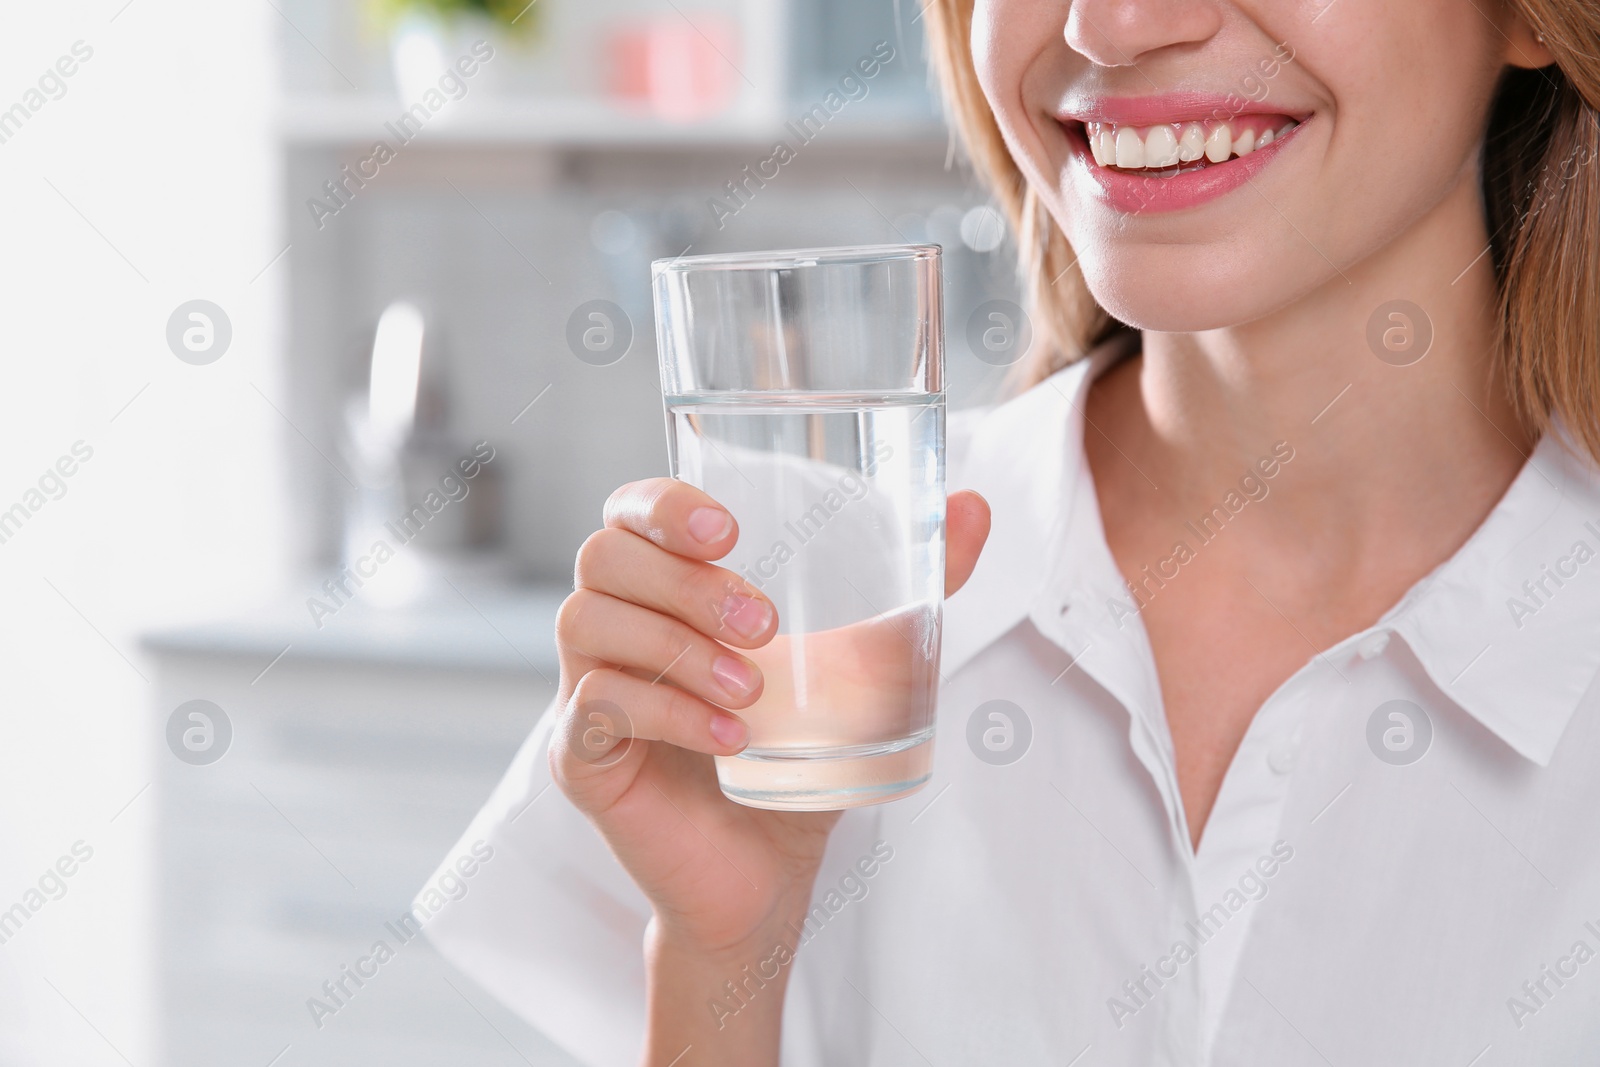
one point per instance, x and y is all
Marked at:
(966, 524)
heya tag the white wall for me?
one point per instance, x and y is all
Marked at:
(149, 183)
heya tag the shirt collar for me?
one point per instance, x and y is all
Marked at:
(1508, 628)
(1024, 457)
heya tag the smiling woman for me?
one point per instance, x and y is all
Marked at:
(1354, 235)
(1528, 133)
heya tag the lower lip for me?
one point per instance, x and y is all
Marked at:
(1135, 193)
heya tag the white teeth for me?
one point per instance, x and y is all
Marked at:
(1130, 150)
(1167, 145)
(1219, 145)
(1193, 142)
(1160, 147)
(1108, 146)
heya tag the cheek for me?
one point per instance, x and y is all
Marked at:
(994, 56)
(987, 53)
(1014, 43)
(1417, 93)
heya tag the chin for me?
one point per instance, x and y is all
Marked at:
(1157, 297)
(1175, 288)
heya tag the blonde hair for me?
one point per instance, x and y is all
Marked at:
(1541, 188)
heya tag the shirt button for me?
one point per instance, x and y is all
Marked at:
(1373, 644)
(1281, 758)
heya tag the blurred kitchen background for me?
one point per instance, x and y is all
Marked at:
(273, 338)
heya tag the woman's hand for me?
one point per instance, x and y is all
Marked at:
(651, 683)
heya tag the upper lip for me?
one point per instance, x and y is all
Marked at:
(1167, 107)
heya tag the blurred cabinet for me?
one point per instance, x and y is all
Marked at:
(346, 779)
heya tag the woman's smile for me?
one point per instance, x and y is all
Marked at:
(1149, 154)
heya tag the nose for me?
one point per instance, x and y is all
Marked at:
(1117, 33)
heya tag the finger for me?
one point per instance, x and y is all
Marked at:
(712, 599)
(966, 525)
(622, 634)
(674, 515)
(610, 712)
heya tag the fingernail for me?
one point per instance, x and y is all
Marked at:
(747, 615)
(709, 525)
(735, 675)
(728, 731)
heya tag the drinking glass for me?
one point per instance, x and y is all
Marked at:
(805, 392)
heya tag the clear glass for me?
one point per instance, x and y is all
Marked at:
(805, 392)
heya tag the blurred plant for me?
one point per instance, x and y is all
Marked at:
(514, 16)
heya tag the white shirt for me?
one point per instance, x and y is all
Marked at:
(1350, 904)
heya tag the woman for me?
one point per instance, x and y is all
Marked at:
(1290, 597)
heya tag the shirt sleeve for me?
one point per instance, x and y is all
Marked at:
(548, 922)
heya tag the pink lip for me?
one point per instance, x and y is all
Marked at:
(1134, 193)
(1168, 107)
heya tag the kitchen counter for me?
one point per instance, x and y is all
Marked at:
(505, 628)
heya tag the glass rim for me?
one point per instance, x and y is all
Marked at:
(791, 258)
